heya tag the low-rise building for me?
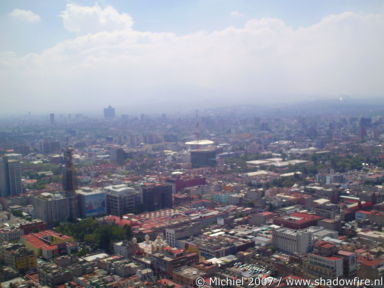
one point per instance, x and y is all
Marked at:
(164, 259)
(370, 268)
(349, 263)
(126, 248)
(10, 234)
(260, 218)
(187, 275)
(218, 244)
(17, 256)
(48, 243)
(51, 275)
(321, 266)
(173, 235)
(297, 220)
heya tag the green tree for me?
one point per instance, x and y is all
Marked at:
(97, 235)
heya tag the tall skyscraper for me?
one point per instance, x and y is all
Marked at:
(109, 112)
(52, 118)
(365, 124)
(10, 175)
(69, 184)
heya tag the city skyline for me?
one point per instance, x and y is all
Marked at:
(191, 144)
(84, 55)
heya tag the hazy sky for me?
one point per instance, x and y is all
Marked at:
(79, 56)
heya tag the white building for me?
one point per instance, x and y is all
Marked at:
(51, 207)
(10, 234)
(122, 199)
(292, 241)
(325, 267)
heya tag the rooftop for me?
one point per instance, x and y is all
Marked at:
(41, 240)
(200, 142)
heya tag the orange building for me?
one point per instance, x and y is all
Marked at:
(48, 243)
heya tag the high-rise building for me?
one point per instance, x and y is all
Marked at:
(70, 184)
(69, 177)
(292, 241)
(156, 196)
(365, 124)
(51, 207)
(52, 118)
(203, 158)
(10, 175)
(92, 202)
(3, 178)
(122, 199)
(49, 146)
(203, 153)
(109, 112)
(119, 156)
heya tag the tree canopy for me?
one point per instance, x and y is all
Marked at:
(97, 235)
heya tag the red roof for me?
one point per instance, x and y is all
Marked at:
(303, 217)
(345, 253)
(364, 212)
(323, 244)
(266, 213)
(117, 220)
(375, 212)
(333, 258)
(328, 245)
(371, 263)
(329, 220)
(35, 239)
(168, 282)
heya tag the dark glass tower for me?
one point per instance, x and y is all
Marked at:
(69, 184)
